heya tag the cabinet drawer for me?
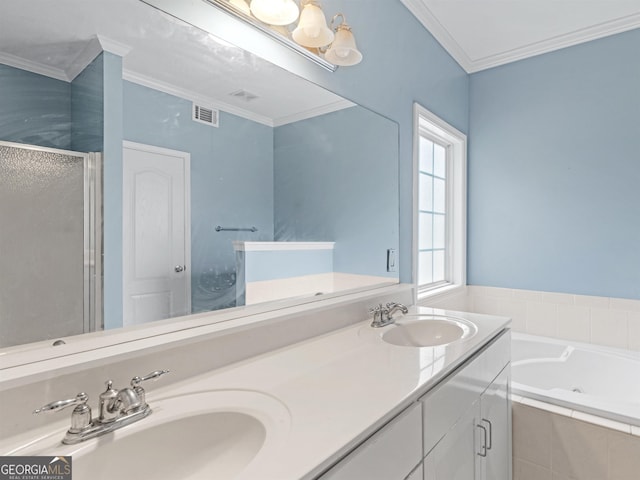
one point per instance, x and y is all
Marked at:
(390, 454)
(446, 403)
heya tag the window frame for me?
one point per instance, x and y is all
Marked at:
(430, 126)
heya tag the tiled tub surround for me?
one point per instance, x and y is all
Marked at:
(556, 435)
(610, 322)
(339, 387)
(550, 443)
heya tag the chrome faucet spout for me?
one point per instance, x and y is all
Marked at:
(117, 408)
(383, 315)
(393, 307)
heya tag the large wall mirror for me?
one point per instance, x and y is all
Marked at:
(150, 170)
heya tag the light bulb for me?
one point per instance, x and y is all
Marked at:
(275, 12)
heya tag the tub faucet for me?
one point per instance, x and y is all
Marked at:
(383, 315)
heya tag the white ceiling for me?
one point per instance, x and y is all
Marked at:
(482, 34)
(59, 38)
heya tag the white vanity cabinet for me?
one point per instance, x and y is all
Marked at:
(459, 430)
(392, 453)
(467, 420)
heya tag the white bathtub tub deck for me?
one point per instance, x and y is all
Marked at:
(583, 378)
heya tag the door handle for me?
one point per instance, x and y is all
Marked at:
(483, 453)
(180, 268)
(490, 444)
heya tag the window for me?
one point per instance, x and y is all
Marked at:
(439, 205)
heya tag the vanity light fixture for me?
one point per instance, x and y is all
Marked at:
(329, 46)
(343, 50)
(312, 30)
(275, 12)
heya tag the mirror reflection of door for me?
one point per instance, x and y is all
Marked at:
(156, 234)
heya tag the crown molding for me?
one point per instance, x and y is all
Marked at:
(313, 112)
(111, 46)
(426, 17)
(88, 54)
(429, 21)
(33, 67)
(570, 39)
(194, 97)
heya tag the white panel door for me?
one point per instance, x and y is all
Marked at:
(156, 237)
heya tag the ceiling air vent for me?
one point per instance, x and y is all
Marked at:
(206, 115)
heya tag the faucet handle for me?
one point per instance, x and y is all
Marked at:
(81, 415)
(136, 381)
(377, 309)
(80, 399)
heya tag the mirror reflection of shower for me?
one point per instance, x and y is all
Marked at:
(49, 212)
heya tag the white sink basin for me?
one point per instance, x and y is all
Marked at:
(428, 331)
(211, 445)
(215, 434)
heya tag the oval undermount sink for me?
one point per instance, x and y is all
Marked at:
(211, 434)
(211, 445)
(428, 331)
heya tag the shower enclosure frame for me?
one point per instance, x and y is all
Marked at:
(92, 228)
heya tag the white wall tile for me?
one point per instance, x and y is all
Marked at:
(542, 319)
(589, 301)
(625, 304)
(528, 295)
(517, 310)
(574, 323)
(613, 322)
(491, 291)
(488, 305)
(609, 328)
(559, 298)
(634, 331)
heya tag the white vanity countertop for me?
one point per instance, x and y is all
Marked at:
(341, 387)
(337, 389)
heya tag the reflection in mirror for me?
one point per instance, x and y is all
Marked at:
(227, 181)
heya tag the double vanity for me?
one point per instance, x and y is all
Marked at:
(423, 397)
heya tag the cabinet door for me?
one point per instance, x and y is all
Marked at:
(454, 457)
(495, 416)
(390, 454)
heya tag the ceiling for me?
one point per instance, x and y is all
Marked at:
(481, 34)
(59, 38)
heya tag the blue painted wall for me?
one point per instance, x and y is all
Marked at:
(402, 64)
(334, 176)
(554, 171)
(87, 108)
(35, 109)
(231, 182)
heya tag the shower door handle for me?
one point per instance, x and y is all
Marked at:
(180, 268)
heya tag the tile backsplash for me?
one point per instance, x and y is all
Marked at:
(611, 322)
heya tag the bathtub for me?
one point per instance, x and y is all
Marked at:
(586, 378)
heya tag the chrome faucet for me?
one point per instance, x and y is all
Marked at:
(117, 408)
(383, 315)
